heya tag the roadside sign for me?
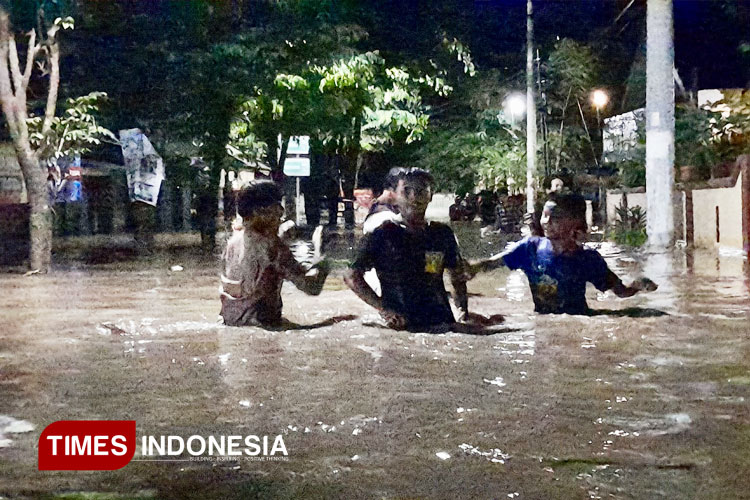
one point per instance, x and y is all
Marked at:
(298, 145)
(297, 167)
(297, 162)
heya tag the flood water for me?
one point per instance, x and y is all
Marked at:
(648, 399)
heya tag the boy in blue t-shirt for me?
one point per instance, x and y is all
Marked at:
(557, 265)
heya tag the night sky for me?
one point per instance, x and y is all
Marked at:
(708, 33)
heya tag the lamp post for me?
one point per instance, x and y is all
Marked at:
(530, 111)
(599, 100)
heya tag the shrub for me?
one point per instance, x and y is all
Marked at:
(630, 226)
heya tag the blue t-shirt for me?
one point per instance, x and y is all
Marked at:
(410, 265)
(558, 281)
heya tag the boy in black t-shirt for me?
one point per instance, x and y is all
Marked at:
(409, 259)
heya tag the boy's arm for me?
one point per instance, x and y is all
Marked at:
(517, 256)
(310, 280)
(355, 280)
(622, 291)
(459, 277)
(482, 266)
(459, 272)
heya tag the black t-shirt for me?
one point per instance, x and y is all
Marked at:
(410, 267)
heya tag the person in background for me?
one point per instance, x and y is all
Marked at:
(557, 186)
(385, 207)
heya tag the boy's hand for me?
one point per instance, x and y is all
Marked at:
(468, 318)
(323, 266)
(286, 230)
(393, 319)
(645, 285)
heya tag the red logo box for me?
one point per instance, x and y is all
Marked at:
(87, 445)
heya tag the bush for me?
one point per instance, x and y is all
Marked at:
(630, 226)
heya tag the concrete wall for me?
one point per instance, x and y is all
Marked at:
(614, 200)
(728, 201)
(637, 198)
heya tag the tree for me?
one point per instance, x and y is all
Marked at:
(476, 143)
(39, 141)
(350, 106)
(570, 75)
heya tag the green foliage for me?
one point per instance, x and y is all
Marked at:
(571, 65)
(632, 172)
(66, 23)
(75, 131)
(732, 132)
(489, 153)
(352, 104)
(462, 53)
(693, 137)
(570, 73)
(629, 152)
(630, 226)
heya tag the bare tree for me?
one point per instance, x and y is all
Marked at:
(14, 83)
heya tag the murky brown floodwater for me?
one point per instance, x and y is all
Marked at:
(623, 405)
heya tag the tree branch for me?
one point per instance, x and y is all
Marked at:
(562, 124)
(30, 55)
(15, 65)
(53, 51)
(14, 104)
(7, 98)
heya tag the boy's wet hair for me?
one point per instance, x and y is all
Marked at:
(256, 195)
(569, 205)
(419, 174)
(394, 175)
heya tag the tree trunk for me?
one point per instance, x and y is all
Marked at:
(40, 218)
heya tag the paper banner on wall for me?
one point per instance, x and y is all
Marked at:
(143, 166)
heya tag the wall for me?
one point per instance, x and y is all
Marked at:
(614, 200)
(637, 197)
(729, 201)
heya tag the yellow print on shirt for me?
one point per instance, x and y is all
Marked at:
(546, 289)
(433, 262)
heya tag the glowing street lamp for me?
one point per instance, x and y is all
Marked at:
(514, 105)
(599, 99)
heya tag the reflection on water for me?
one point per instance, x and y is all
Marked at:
(659, 267)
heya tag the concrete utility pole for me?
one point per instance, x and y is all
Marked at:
(659, 124)
(530, 112)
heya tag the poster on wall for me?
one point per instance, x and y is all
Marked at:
(143, 165)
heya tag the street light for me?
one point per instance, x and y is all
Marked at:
(514, 104)
(599, 99)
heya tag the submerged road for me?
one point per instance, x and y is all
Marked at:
(646, 400)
